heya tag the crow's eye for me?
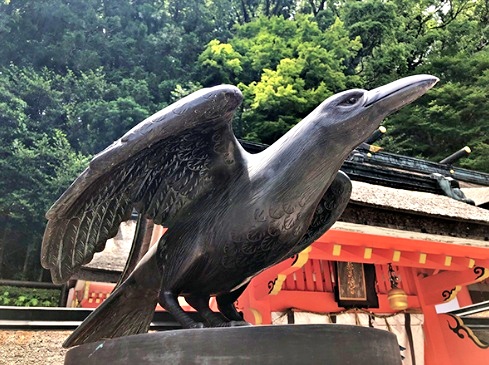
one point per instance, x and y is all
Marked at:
(350, 101)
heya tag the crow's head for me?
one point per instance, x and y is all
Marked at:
(351, 116)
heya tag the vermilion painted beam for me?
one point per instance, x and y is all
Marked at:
(262, 284)
(375, 255)
(271, 280)
(319, 276)
(351, 238)
(447, 262)
(444, 286)
(369, 255)
(435, 347)
(481, 263)
(333, 253)
(463, 297)
(309, 277)
(463, 262)
(316, 302)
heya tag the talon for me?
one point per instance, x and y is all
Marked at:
(196, 325)
(223, 324)
(239, 323)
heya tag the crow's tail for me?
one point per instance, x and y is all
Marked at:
(127, 311)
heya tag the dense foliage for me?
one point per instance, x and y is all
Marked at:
(75, 75)
(28, 297)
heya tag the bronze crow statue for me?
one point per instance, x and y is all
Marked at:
(230, 214)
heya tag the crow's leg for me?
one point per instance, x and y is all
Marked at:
(225, 303)
(169, 301)
(201, 305)
(174, 275)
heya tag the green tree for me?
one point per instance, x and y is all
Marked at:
(454, 113)
(220, 63)
(285, 68)
(36, 164)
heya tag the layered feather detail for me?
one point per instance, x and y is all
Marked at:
(158, 179)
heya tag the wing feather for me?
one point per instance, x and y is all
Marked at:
(91, 218)
(65, 251)
(82, 236)
(329, 209)
(53, 233)
(158, 167)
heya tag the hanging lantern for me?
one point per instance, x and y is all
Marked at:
(396, 296)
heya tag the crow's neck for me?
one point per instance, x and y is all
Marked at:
(301, 164)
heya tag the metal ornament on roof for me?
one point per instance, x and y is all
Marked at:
(229, 214)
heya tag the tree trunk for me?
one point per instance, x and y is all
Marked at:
(3, 243)
(25, 269)
(246, 17)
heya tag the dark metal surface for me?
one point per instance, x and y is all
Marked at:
(380, 175)
(273, 345)
(454, 157)
(451, 188)
(96, 274)
(230, 214)
(471, 309)
(428, 167)
(479, 323)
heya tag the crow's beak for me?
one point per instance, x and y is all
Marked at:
(393, 96)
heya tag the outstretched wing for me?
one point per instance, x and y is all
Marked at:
(329, 209)
(158, 167)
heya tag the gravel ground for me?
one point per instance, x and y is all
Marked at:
(32, 347)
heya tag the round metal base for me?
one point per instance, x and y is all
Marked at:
(289, 344)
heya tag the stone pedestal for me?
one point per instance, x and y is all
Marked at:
(282, 345)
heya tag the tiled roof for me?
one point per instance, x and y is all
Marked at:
(416, 202)
(478, 195)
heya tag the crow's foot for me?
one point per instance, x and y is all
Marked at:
(239, 323)
(195, 325)
(231, 324)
